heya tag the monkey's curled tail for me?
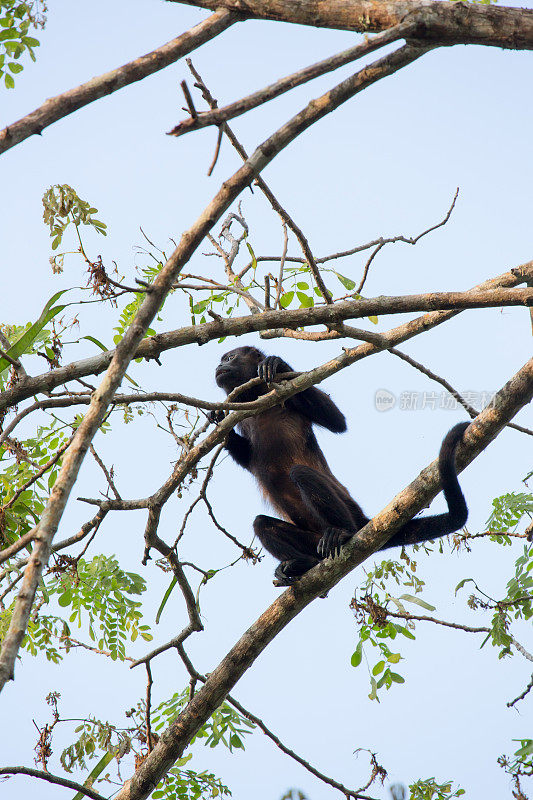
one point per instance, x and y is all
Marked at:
(457, 508)
(423, 529)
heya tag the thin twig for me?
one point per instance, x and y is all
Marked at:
(149, 683)
(449, 388)
(522, 695)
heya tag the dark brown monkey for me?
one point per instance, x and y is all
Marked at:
(279, 448)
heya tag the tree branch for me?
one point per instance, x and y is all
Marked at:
(46, 776)
(133, 336)
(219, 115)
(483, 295)
(56, 108)
(437, 23)
(516, 393)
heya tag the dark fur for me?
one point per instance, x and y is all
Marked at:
(279, 448)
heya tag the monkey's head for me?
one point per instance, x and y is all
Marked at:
(238, 366)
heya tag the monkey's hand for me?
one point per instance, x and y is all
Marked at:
(331, 542)
(267, 369)
(215, 416)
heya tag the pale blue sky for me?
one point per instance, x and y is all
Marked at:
(388, 162)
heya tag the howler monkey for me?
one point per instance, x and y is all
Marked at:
(279, 448)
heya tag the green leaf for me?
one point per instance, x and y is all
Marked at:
(462, 583)
(397, 678)
(357, 656)
(305, 300)
(373, 319)
(26, 340)
(411, 599)
(394, 658)
(346, 282)
(406, 632)
(164, 600)
(9, 82)
(15, 67)
(254, 260)
(102, 764)
(286, 299)
(379, 667)
(65, 599)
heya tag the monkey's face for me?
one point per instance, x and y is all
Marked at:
(237, 366)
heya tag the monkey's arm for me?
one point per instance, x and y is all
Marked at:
(313, 403)
(239, 449)
(238, 446)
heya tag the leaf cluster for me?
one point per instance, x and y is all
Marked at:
(16, 18)
(429, 789)
(62, 206)
(22, 507)
(100, 593)
(186, 784)
(226, 726)
(375, 628)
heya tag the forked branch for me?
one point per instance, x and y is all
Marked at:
(513, 396)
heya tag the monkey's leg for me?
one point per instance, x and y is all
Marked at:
(294, 547)
(341, 515)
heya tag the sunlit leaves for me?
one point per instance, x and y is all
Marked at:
(16, 18)
(226, 726)
(508, 510)
(185, 784)
(99, 594)
(63, 207)
(429, 789)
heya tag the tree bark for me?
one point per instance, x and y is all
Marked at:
(442, 23)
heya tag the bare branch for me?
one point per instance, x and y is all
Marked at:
(523, 694)
(47, 776)
(56, 108)
(219, 115)
(436, 23)
(419, 618)
(259, 182)
(349, 793)
(449, 388)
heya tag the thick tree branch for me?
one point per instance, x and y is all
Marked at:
(56, 108)
(436, 22)
(515, 394)
(483, 295)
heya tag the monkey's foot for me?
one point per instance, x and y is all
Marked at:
(331, 542)
(289, 571)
